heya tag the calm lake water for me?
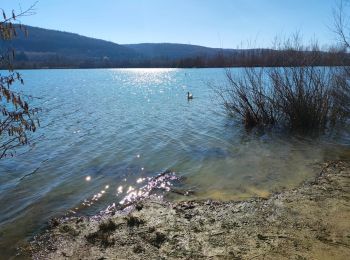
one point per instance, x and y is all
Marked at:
(106, 132)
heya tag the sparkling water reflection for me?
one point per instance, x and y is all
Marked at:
(108, 134)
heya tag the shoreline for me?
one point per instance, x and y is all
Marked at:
(311, 221)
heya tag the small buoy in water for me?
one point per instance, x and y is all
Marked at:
(189, 96)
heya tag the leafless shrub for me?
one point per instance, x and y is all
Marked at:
(304, 96)
(342, 30)
(17, 118)
(246, 95)
(341, 23)
(298, 97)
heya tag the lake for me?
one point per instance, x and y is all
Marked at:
(107, 133)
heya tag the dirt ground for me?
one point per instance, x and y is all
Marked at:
(309, 222)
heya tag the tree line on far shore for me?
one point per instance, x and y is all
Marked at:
(241, 58)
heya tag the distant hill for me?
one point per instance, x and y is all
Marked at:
(45, 48)
(52, 46)
(176, 51)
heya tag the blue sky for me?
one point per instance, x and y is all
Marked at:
(213, 23)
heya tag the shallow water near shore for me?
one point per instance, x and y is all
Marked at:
(106, 133)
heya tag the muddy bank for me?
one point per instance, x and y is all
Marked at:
(310, 222)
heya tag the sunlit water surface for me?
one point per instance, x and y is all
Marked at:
(106, 134)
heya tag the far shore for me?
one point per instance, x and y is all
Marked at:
(218, 67)
(308, 222)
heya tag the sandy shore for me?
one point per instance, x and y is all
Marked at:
(309, 222)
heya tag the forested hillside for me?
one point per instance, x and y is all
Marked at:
(44, 48)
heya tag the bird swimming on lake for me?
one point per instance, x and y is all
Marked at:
(189, 96)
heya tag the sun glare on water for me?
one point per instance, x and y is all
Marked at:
(146, 70)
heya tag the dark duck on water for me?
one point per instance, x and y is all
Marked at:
(189, 96)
